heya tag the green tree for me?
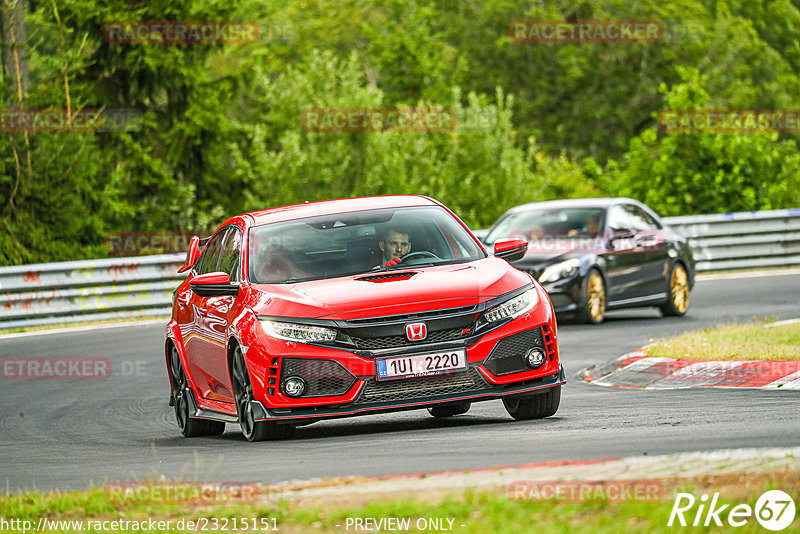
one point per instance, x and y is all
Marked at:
(681, 174)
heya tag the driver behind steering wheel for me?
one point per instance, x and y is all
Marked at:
(394, 245)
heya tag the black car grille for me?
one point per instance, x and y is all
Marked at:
(412, 316)
(415, 388)
(508, 356)
(323, 377)
(388, 342)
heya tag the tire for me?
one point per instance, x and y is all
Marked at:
(592, 306)
(535, 407)
(243, 396)
(449, 410)
(189, 426)
(678, 295)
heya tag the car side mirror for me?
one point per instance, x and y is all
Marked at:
(192, 254)
(511, 249)
(214, 284)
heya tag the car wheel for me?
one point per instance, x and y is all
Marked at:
(592, 306)
(678, 297)
(449, 410)
(189, 426)
(538, 406)
(243, 396)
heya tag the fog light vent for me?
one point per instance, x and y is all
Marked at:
(294, 386)
(535, 357)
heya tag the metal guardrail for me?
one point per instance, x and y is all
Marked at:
(742, 240)
(51, 293)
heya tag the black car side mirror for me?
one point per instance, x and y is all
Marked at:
(510, 249)
(214, 284)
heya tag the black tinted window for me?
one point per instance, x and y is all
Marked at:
(618, 219)
(354, 242)
(230, 254)
(210, 258)
(639, 219)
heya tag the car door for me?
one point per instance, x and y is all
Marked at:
(220, 311)
(620, 265)
(650, 252)
(204, 334)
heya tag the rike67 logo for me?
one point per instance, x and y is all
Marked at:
(774, 510)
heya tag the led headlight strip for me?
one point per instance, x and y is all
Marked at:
(297, 332)
(513, 307)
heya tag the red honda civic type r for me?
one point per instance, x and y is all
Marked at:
(351, 307)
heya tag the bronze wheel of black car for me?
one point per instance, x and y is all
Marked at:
(592, 306)
(243, 395)
(189, 426)
(533, 407)
(449, 410)
(678, 297)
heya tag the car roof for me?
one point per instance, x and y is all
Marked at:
(574, 203)
(331, 207)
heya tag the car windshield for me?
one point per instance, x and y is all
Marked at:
(535, 224)
(330, 246)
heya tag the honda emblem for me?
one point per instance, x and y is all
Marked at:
(416, 331)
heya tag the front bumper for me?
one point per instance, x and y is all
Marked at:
(470, 385)
(564, 294)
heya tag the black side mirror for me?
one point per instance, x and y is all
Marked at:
(214, 284)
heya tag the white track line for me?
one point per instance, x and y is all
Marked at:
(750, 274)
(89, 328)
(782, 323)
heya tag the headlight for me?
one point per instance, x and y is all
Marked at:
(297, 332)
(561, 270)
(513, 307)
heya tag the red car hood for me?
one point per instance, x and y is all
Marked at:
(423, 289)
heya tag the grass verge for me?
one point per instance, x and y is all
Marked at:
(465, 512)
(735, 342)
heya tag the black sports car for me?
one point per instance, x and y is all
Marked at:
(598, 254)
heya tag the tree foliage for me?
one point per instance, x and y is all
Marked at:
(221, 130)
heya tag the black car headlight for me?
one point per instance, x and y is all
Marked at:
(513, 307)
(301, 333)
(560, 271)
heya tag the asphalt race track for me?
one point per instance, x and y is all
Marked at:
(75, 434)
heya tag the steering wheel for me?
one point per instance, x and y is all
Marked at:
(419, 254)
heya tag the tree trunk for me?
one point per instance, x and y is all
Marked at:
(15, 37)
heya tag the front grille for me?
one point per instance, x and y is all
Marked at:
(323, 377)
(508, 355)
(412, 316)
(388, 342)
(415, 388)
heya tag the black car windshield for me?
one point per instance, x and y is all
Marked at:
(536, 224)
(330, 246)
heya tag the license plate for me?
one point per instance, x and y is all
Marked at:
(420, 364)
